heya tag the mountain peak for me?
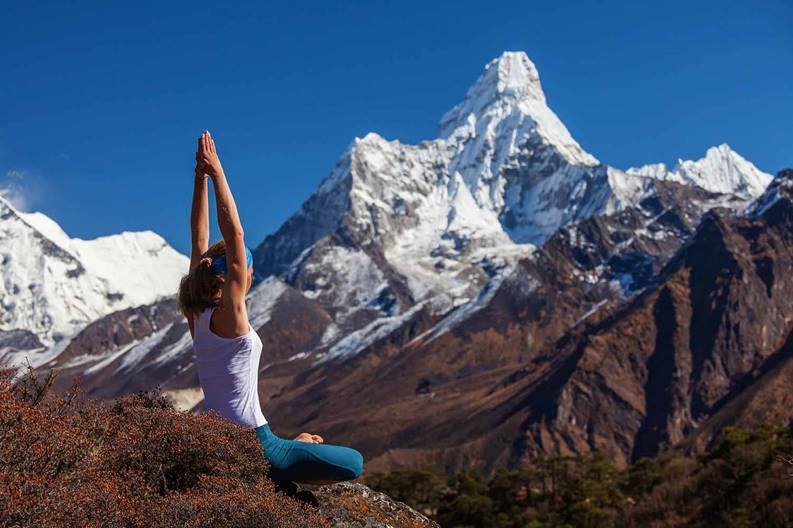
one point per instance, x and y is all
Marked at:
(721, 170)
(717, 152)
(512, 74)
(725, 171)
(509, 91)
(507, 79)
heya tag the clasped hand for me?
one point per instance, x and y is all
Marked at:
(207, 162)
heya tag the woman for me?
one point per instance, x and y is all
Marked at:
(227, 349)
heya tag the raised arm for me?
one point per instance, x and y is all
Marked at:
(232, 312)
(199, 215)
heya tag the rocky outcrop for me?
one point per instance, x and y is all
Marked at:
(352, 505)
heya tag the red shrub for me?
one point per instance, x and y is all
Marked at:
(135, 462)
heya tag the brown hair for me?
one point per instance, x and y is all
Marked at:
(198, 289)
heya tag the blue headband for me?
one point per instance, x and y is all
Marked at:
(218, 266)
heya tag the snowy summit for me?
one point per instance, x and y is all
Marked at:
(446, 215)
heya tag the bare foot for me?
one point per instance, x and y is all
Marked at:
(309, 438)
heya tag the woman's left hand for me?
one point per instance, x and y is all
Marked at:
(208, 156)
(310, 438)
(200, 166)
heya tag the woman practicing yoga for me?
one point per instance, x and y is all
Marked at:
(227, 349)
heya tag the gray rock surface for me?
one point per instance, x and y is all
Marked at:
(352, 505)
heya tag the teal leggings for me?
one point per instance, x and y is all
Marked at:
(291, 460)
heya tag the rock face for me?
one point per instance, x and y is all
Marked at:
(710, 341)
(349, 505)
(497, 293)
(128, 351)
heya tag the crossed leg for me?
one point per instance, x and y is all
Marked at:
(309, 463)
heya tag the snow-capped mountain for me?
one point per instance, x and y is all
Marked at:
(442, 280)
(722, 170)
(52, 285)
(394, 224)
(398, 231)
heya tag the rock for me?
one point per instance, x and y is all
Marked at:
(352, 505)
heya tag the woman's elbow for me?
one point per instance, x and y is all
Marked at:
(236, 235)
(199, 240)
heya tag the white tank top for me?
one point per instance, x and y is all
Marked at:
(228, 370)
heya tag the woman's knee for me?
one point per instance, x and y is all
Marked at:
(347, 463)
(355, 464)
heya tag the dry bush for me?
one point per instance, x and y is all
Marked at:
(134, 462)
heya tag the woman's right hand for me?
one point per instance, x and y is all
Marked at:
(200, 168)
(207, 156)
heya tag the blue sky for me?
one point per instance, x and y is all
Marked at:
(101, 103)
